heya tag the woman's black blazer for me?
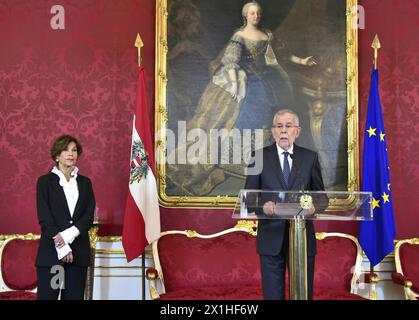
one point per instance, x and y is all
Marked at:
(54, 217)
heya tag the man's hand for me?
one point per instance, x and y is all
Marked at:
(311, 210)
(269, 208)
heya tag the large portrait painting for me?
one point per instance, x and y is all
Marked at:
(224, 68)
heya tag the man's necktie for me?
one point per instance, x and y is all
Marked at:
(286, 168)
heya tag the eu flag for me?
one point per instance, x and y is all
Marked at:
(376, 237)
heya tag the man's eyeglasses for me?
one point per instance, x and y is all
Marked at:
(287, 126)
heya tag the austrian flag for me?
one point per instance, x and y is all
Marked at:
(142, 213)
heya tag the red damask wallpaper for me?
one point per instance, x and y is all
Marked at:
(81, 80)
(396, 24)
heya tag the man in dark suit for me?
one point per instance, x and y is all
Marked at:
(283, 166)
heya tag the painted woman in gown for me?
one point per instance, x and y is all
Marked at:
(248, 86)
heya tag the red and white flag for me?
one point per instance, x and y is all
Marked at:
(142, 213)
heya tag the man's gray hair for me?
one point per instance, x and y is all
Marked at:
(284, 111)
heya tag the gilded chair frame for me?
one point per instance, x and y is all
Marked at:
(93, 238)
(408, 292)
(7, 239)
(357, 271)
(156, 278)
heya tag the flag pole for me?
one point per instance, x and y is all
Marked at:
(139, 44)
(376, 45)
(143, 274)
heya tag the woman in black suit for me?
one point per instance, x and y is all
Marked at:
(65, 204)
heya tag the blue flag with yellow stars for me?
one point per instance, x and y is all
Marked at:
(376, 237)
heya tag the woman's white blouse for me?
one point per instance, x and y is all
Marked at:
(70, 188)
(71, 192)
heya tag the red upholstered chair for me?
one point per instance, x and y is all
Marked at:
(406, 255)
(338, 273)
(189, 265)
(225, 265)
(18, 279)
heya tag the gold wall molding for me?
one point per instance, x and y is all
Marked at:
(110, 239)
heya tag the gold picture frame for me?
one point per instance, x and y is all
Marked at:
(164, 110)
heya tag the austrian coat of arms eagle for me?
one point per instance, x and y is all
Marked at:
(139, 162)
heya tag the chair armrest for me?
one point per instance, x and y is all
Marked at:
(401, 279)
(151, 275)
(406, 283)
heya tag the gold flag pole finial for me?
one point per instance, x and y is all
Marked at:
(139, 44)
(376, 45)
